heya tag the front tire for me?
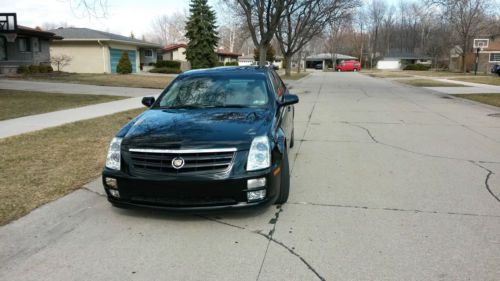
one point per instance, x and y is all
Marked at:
(285, 181)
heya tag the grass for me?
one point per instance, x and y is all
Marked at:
(23, 103)
(294, 76)
(118, 80)
(491, 99)
(42, 166)
(428, 83)
(388, 74)
(490, 80)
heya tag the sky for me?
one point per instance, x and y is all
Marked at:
(124, 16)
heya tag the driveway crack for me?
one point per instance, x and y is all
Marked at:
(271, 239)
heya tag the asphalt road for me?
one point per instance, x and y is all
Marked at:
(389, 182)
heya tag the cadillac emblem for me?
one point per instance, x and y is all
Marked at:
(178, 163)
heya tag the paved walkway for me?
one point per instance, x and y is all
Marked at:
(32, 123)
(389, 182)
(471, 88)
(37, 122)
(69, 88)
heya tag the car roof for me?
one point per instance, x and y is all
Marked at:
(242, 70)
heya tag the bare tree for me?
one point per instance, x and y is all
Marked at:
(305, 19)
(54, 25)
(467, 19)
(168, 29)
(262, 18)
(60, 61)
(89, 8)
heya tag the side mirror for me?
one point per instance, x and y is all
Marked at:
(148, 101)
(289, 99)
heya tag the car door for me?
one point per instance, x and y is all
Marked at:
(286, 113)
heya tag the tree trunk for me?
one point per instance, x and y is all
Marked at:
(300, 59)
(262, 55)
(288, 66)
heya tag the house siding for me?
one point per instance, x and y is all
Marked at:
(86, 57)
(16, 58)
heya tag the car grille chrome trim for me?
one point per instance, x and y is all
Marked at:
(160, 161)
(182, 151)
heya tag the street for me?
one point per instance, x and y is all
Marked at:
(389, 182)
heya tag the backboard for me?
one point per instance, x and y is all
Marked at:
(8, 22)
(481, 43)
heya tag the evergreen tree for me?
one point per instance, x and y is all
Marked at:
(124, 66)
(202, 35)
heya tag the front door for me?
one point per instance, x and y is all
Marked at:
(3, 48)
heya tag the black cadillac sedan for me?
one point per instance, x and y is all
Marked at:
(214, 139)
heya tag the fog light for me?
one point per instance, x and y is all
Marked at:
(256, 195)
(111, 183)
(255, 183)
(114, 193)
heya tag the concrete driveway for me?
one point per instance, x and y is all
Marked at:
(389, 182)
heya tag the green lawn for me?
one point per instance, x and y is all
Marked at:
(15, 104)
(42, 166)
(491, 99)
(118, 80)
(490, 80)
(428, 83)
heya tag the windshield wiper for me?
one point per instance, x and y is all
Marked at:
(234, 105)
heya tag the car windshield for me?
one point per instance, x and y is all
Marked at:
(216, 91)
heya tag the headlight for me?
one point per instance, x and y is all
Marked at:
(113, 159)
(259, 156)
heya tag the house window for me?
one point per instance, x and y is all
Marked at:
(24, 44)
(148, 53)
(495, 57)
(3, 48)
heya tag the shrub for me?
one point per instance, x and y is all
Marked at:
(45, 68)
(169, 64)
(124, 66)
(418, 67)
(219, 64)
(168, 70)
(23, 69)
(34, 69)
(232, 63)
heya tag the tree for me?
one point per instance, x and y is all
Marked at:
(270, 53)
(124, 66)
(305, 19)
(60, 61)
(467, 18)
(168, 29)
(202, 35)
(263, 18)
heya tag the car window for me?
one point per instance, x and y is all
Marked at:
(279, 87)
(216, 91)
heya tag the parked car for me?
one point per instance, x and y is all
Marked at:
(214, 139)
(318, 66)
(496, 69)
(348, 65)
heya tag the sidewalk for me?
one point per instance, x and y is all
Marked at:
(471, 88)
(37, 122)
(68, 88)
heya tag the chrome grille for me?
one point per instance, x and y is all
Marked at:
(202, 160)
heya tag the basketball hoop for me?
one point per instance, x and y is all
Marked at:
(11, 37)
(481, 44)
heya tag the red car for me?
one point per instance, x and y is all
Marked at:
(348, 65)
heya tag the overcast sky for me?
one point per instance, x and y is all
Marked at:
(123, 17)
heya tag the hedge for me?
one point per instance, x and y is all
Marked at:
(168, 64)
(33, 69)
(169, 70)
(232, 63)
(419, 67)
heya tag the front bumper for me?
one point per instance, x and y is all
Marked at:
(190, 194)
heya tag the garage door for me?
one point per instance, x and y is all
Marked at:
(116, 54)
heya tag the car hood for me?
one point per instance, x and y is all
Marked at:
(197, 128)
